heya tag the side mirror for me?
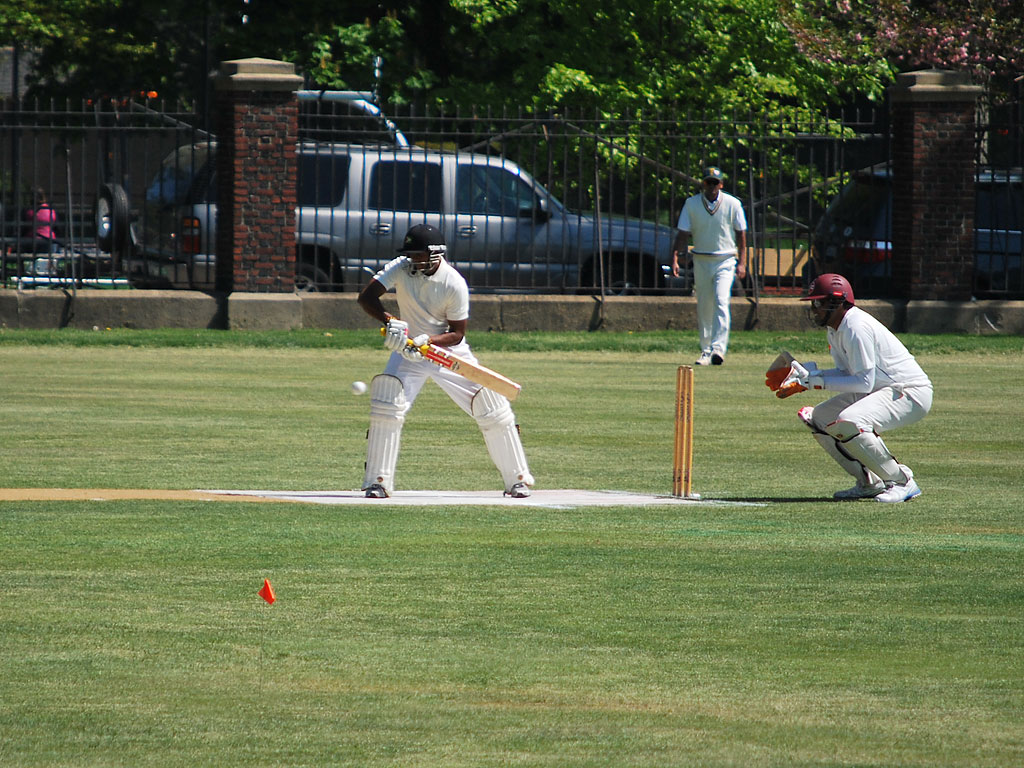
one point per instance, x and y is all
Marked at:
(539, 213)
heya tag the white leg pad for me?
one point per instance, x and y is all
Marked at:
(498, 424)
(869, 450)
(834, 449)
(387, 415)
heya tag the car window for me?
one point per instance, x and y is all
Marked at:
(864, 207)
(184, 174)
(490, 189)
(405, 186)
(322, 180)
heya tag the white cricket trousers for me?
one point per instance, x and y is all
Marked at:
(414, 374)
(713, 277)
(882, 410)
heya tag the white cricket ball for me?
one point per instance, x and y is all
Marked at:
(358, 387)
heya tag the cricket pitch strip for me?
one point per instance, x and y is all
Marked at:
(555, 499)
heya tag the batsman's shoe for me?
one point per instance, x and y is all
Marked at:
(376, 491)
(717, 358)
(519, 491)
(704, 359)
(859, 492)
(897, 493)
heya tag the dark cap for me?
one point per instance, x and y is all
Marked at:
(713, 172)
(423, 237)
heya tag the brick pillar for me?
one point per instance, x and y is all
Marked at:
(257, 129)
(933, 184)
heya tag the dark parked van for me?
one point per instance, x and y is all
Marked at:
(854, 237)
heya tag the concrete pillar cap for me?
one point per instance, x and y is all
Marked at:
(257, 75)
(934, 85)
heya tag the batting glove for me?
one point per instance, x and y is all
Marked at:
(411, 353)
(395, 334)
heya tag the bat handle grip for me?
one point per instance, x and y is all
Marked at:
(423, 349)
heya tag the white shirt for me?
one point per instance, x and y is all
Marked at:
(714, 234)
(426, 302)
(868, 357)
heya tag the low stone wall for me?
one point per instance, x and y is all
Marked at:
(264, 311)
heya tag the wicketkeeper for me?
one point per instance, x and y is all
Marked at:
(433, 300)
(880, 384)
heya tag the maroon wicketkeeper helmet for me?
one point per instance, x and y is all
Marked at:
(830, 286)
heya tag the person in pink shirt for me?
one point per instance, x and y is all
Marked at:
(42, 218)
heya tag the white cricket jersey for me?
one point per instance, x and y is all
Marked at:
(713, 231)
(426, 302)
(865, 349)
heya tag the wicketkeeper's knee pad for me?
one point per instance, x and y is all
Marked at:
(843, 430)
(842, 457)
(869, 449)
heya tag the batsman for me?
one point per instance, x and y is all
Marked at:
(433, 301)
(880, 387)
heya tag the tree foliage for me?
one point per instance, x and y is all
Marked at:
(90, 48)
(611, 56)
(615, 56)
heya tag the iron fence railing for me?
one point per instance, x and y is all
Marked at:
(102, 163)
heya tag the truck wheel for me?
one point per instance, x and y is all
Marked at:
(630, 276)
(112, 217)
(309, 278)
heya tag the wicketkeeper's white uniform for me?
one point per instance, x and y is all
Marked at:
(881, 387)
(427, 303)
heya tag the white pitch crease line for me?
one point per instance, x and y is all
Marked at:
(554, 499)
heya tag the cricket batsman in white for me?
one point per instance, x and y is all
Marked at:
(433, 301)
(880, 385)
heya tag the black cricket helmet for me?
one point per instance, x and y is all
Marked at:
(424, 238)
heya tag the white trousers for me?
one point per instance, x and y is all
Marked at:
(849, 424)
(713, 277)
(414, 375)
(880, 411)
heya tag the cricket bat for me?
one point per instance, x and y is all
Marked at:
(475, 372)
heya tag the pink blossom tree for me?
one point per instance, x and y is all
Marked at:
(877, 38)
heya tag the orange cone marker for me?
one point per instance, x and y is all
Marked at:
(267, 593)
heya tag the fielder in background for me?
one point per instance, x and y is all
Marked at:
(881, 387)
(719, 229)
(433, 300)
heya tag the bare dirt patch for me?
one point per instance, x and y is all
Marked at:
(116, 494)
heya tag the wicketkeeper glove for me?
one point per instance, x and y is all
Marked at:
(800, 379)
(789, 389)
(395, 334)
(773, 379)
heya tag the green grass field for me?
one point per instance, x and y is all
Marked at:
(786, 631)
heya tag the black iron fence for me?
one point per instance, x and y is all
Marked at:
(132, 189)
